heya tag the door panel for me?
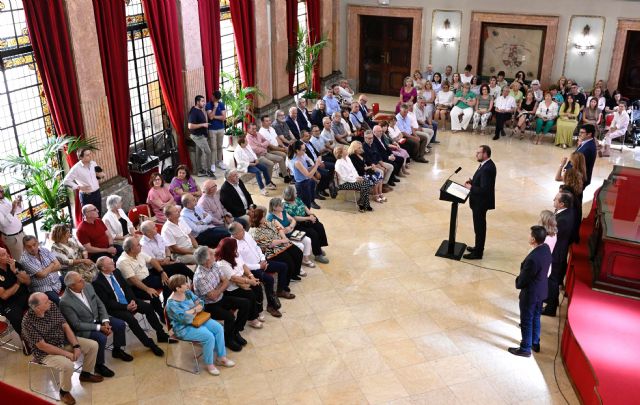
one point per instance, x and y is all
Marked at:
(385, 53)
(630, 72)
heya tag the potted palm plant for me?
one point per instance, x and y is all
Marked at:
(238, 101)
(306, 56)
(37, 173)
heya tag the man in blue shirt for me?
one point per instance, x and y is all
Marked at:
(412, 141)
(217, 114)
(200, 223)
(331, 102)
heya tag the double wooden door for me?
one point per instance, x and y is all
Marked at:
(630, 73)
(385, 53)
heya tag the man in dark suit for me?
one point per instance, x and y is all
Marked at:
(366, 112)
(234, 195)
(532, 283)
(385, 152)
(325, 172)
(588, 148)
(482, 198)
(565, 217)
(89, 319)
(118, 298)
(292, 122)
(303, 116)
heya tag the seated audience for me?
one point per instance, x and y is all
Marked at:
(370, 172)
(234, 195)
(283, 222)
(71, 255)
(409, 131)
(43, 268)
(346, 92)
(556, 95)
(407, 93)
(282, 129)
(504, 107)
(211, 204)
(501, 81)
(356, 119)
(436, 82)
(331, 99)
(613, 102)
(89, 319)
(567, 122)
(182, 308)
(515, 92)
(158, 197)
(317, 114)
(429, 95)
(154, 245)
(538, 94)
(247, 162)
(292, 121)
(14, 292)
(483, 109)
(617, 128)
(120, 302)
(418, 79)
(456, 83)
(325, 171)
(475, 85)
(307, 222)
(494, 89)
(444, 103)
(210, 284)
(545, 116)
(94, 236)
(373, 157)
(367, 113)
(201, 224)
(328, 133)
(118, 223)
(304, 116)
(183, 183)
(54, 344)
(464, 102)
(386, 153)
(409, 147)
(276, 247)
(348, 178)
(390, 142)
(260, 147)
(466, 74)
(423, 117)
(525, 113)
(180, 242)
(276, 146)
(303, 173)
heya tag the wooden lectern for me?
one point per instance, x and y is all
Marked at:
(456, 194)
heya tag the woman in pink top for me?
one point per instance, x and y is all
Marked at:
(158, 197)
(407, 92)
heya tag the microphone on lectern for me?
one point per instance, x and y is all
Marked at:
(456, 172)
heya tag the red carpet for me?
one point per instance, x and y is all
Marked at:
(601, 340)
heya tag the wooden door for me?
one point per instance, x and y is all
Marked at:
(630, 72)
(385, 53)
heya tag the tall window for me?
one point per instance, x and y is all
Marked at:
(24, 113)
(148, 114)
(228, 55)
(298, 80)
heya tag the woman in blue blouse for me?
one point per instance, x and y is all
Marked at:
(303, 173)
(182, 307)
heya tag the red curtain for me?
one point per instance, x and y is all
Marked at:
(49, 34)
(162, 19)
(111, 25)
(209, 13)
(292, 40)
(315, 34)
(242, 18)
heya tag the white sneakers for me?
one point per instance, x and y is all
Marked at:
(222, 165)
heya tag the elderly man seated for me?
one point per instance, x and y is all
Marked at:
(55, 345)
(94, 236)
(211, 204)
(234, 196)
(255, 260)
(260, 146)
(89, 319)
(180, 242)
(201, 224)
(154, 245)
(282, 128)
(118, 298)
(43, 268)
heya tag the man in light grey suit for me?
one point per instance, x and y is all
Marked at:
(88, 318)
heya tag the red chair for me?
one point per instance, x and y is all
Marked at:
(136, 212)
(376, 108)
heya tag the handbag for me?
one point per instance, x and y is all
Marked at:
(297, 235)
(200, 319)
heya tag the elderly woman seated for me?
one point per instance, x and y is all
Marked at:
(182, 308)
(274, 244)
(287, 224)
(306, 221)
(71, 254)
(118, 223)
(348, 178)
(370, 173)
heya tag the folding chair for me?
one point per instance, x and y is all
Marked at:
(196, 369)
(5, 337)
(54, 380)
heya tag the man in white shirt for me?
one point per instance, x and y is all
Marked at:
(179, 241)
(10, 224)
(154, 245)
(425, 134)
(254, 259)
(617, 129)
(504, 107)
(423, 118)
(345, 91)
(83, 178)
(494, 89)
(275, 144)
(201, 224)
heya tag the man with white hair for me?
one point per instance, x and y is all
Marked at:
(346, 92)
(179, 241)
(154, 245)
(94, 236)
(54, 344)
(282, 129)
(89, 319)
(234, 196)
(292, 122)
(210, 202)
(200, 223)
(304, 116)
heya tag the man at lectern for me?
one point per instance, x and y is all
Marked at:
(482, 197)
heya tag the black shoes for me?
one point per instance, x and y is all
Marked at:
(495, 138)
(104, 371)
(122, 355)
(233, 345)
(472, 256)
(547, 311)
(471, 249)
(320, 197)
(315, 206)
(535, 347)
(518, 352)
(239, 339)
(156, 350)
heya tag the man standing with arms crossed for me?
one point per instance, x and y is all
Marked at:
(10, 224)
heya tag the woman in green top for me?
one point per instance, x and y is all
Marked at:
(567, 122)
(307, 222)
(464, 102)
(516, 93)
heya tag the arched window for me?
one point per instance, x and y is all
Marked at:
(24, 113)
(148, 115)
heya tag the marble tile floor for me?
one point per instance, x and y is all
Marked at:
(386, 321)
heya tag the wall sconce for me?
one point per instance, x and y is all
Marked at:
(584, 42)
(446, 35)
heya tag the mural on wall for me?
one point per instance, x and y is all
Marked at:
(512, 48)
